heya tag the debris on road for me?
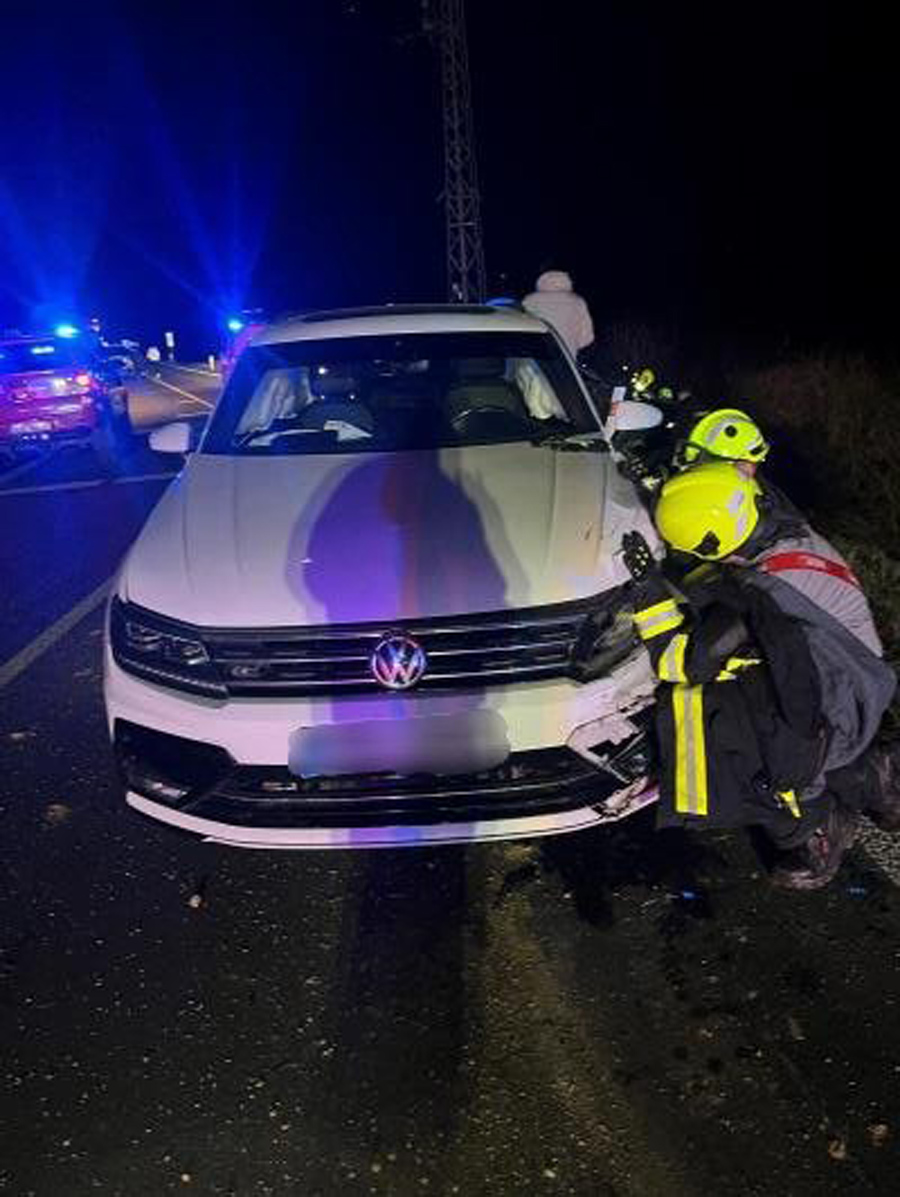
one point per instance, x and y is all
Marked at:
(879, 1132)
(797, 1032)
(837, 1148)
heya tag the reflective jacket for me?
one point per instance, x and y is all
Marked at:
(773, 677)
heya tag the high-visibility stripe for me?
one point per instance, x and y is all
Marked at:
(701, 793)
(663, 623)
(671, 663)
(700, 574)
(734, 665)
(691, 792)
(666, 607)
(789, 798)
(783, 562)
(655, 620)
(737, 663)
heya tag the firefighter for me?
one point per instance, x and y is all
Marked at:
(773, 681)
(724, 434)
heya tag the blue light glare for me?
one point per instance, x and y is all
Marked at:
(235, 325)
(39, 349)
(66, 330)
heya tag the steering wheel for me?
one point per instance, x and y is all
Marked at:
(459, 421)
(316, 415)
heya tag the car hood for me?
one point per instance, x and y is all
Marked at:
(256, 542)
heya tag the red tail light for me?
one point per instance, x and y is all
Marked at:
(83, 380)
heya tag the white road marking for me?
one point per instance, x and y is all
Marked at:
(11, 669)
(195, 370)
(187, 394)
(81, 484)
(145, 478)
(31, 465)
(84, 484)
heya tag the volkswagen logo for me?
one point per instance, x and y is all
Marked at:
(398, 662)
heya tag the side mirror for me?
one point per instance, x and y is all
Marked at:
(628, 416)
(171, 438)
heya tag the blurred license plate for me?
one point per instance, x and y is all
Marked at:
(463, 742)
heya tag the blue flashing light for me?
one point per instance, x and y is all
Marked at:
(41, 349)
(66, 330)
(235, 325)
(502, 301)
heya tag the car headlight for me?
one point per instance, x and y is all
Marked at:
(162, 651)
(606, 639)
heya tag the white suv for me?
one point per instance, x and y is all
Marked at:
(383, 603)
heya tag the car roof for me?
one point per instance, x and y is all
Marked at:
(397, 319)
(34, 339)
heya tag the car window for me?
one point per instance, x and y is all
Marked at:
(382, 394)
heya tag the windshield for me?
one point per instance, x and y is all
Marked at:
(24, 356)
(384, 394)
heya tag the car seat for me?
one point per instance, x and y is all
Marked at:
(479, 383)
(334, 397)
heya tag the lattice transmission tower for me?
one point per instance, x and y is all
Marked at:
(445, 23)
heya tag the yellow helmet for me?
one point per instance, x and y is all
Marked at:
(642, 380)
(709, 511)
(728, 434)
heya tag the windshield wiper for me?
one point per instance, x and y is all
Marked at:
(573, 440)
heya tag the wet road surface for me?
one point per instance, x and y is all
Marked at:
(615, 1013)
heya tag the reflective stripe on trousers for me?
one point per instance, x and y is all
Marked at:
(691, 795)
(671, 663)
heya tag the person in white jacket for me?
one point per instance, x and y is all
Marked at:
(555, 301)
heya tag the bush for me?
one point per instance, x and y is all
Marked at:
(835, 423)
(835, 426)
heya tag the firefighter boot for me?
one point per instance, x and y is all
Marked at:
(814, 863)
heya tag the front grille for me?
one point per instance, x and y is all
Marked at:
(544, 781)
(202, 780)
(471, 650)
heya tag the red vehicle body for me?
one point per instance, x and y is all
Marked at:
(237, 346)
(48, 392)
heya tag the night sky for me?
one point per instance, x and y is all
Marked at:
(163, 164)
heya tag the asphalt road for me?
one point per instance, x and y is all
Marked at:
(619, 1014)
